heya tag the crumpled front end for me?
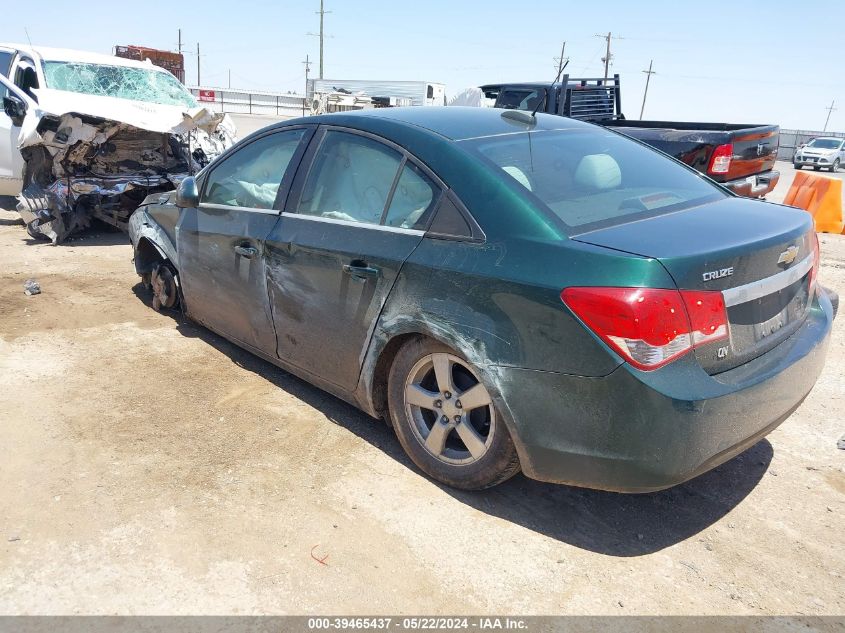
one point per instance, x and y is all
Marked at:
(79, 167)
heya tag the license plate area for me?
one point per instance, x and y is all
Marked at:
(771, 326)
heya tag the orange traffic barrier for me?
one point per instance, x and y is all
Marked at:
(822, 197)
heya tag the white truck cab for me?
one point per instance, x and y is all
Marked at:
(88, 136)
(20, 74)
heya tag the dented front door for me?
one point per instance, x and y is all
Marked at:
(221, 243)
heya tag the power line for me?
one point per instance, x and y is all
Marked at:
(648, 74)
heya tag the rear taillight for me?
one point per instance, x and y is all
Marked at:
(814, 271)
(707, 315)
(650, 327)
(720, 161)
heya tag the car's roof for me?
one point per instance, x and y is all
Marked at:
(828, 138)
(451, 122)
(70, 55)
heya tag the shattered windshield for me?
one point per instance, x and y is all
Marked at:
(138, 84)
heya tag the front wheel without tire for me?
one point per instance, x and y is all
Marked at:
(163, 285)
(446, 420)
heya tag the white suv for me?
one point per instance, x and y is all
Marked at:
(824, 152)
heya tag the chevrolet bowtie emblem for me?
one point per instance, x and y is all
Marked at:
(788, 256)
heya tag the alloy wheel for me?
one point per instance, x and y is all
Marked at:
(451, 412)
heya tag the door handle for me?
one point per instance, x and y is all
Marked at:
(246, 251)
(361, 270)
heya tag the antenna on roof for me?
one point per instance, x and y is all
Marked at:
(25, 30)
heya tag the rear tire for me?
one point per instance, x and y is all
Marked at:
(461, 443)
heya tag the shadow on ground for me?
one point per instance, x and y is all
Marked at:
(604, 522)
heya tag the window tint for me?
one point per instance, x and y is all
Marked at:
(251, 177)
(350, 179)
(594, 177)
(413, 196)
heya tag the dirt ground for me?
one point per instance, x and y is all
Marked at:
(149, 467)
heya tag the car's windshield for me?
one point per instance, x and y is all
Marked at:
(138, 84)
(594, 177)
(825, 143)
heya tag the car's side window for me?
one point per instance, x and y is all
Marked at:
(350, 179)
(5, 62)
(26, 78)
(251, 177)
(414, 195)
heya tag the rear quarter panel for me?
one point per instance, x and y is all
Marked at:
(499, 303)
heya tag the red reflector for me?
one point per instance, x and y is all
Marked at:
(650, 327)
(720, 161)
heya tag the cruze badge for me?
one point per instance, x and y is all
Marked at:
(788, 256)
(710, 275)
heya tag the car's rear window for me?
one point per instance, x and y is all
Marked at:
(592, 178)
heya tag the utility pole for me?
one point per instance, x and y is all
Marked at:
(307, 63)
(607, 55)
(560, 60)
(830, 110)
(230, 78)
(648, 74)
(322, 12)
(180, 41)
(198, 65)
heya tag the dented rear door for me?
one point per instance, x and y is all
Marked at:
(332, 260)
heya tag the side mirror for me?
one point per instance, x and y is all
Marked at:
(15, 108)
(188, 195)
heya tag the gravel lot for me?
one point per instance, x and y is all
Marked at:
(149, 466)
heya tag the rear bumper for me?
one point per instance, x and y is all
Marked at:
(755, 186)
(634, 431)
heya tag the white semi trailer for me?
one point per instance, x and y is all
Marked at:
(381, 93)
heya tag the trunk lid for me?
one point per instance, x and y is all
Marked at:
(758, 254)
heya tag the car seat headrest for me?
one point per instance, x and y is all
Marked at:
(598, 171)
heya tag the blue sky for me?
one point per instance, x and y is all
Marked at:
(756, 62)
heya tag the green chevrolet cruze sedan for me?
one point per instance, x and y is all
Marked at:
(509, 292)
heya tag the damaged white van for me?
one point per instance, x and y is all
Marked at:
(85, 135)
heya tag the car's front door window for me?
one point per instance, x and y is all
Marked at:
(251, 177)
(351, 179)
